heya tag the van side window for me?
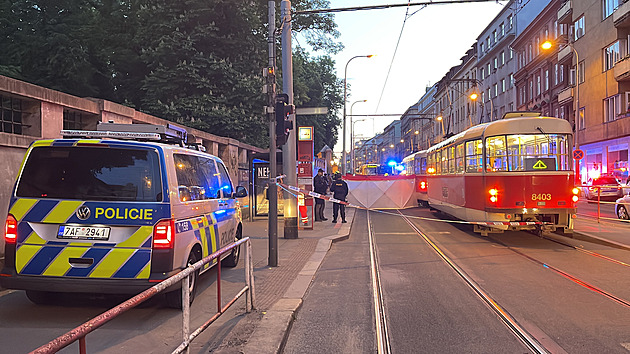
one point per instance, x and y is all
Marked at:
(196, 177)
(226, 184)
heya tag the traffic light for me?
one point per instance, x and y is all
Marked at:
(283, 124)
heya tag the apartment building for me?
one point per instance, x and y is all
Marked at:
(598, 36)
(541, 78)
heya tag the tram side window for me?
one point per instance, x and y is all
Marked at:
(423, 165)
(496, 153)
(438, 162)
(459, 158)
(431, 162)
(474, 151)
(444, 161)
(451, 159)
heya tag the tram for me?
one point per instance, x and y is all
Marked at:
(512, 174)
(416, 165)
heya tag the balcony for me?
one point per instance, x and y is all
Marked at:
(621, 16)
(564, 53)
(565, 12)
(565, 95)
(621, 70)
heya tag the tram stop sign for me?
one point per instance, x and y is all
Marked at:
(578, 154)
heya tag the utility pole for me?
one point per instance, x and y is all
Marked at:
(289, 155)
(271, 103)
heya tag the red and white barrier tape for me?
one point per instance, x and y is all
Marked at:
(482, 223)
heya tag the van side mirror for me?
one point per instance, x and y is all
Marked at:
(240, 192)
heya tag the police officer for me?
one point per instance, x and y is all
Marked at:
(320, 185)
(339, 188)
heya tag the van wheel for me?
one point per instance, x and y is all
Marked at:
(232, 260)
(39, 297)
(174, 298)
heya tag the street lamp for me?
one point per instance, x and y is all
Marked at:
(352, 136)
(546, 46)
(441, 120)
(345, 98)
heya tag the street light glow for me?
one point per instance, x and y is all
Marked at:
(439, 118)
(546, 45)
(473, 96)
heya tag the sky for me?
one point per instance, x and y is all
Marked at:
(434, 39)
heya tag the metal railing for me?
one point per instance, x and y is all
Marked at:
(599, 200)
(79, 333)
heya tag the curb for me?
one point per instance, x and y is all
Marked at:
(271, 334)
(596, 239)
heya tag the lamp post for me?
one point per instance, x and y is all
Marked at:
(345, 98)
(546, 46)
(352, 136)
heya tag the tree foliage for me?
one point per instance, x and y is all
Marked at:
(196, 62)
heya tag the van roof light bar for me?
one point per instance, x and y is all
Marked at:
(109, 134)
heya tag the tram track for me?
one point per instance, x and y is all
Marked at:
(382, 335)
(526, 338)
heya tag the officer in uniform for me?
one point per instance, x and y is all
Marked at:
(339, 188)
(321, 186)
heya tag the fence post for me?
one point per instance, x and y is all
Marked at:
(599, 193)
(248, 299)
(251, 273)
(186, 311)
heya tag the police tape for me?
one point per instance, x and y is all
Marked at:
(291, 189)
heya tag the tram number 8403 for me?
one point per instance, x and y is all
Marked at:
(541, 196)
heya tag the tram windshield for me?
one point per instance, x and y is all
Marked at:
(532, 152)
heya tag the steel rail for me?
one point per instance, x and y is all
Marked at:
(79, 333)
(572, 278)
(505, 317)
(382, 336)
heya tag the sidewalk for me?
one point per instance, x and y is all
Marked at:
(279, 290)
(616, 233)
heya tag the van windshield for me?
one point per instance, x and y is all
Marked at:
(91, 173)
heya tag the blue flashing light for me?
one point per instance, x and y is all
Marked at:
(392, 163)
(400, 168)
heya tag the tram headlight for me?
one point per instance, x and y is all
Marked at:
(494, 194)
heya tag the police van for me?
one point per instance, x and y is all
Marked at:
(116, 211)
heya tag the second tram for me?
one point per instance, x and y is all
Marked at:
(416, 164)
(514, 174)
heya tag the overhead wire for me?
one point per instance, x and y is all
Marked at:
(391, 64)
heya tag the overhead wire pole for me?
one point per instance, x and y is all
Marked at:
(271, 102)
(289, 153)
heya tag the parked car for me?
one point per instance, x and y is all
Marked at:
(607, 187)
(622, 207)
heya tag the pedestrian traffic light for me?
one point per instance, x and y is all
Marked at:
(283, 123)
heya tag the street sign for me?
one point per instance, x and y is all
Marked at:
(578, 154)
(307, 111)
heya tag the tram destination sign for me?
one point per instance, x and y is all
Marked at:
(540, 164)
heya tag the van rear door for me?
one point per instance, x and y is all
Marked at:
(86, 209)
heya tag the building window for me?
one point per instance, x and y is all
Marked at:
(72, 120)
(489, 69)
(612, 108)
(496, 90)
(537, 46)
(579, 28)
(496, 63)
(511, 53)
(580, 118)
(612, 54)
(511, 107)
(483, 74)
(546, 79)
(537, 85)
(481, 47)
(581, 69)
(502, 58)
(502, 27)
(509, 21)
(555, 81)
(511, 83)
(502, 85)
(529, 53)
(555, 33)
(609, 6)
(11, 115)
(488, 42)
(531, 89)
(562, 73)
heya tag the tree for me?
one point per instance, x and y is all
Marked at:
(316, 85)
